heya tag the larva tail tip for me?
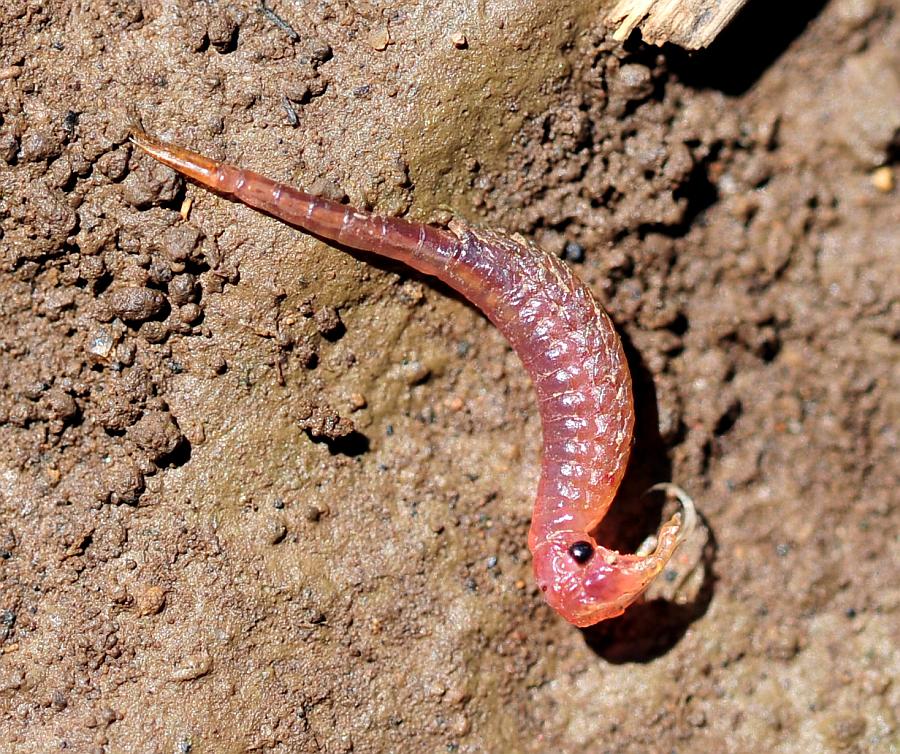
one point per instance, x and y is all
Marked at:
(687, 516)
(139, 137)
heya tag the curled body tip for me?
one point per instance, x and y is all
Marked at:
(684, 520)
(588, 583)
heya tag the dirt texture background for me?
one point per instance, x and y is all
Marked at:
(257, 494)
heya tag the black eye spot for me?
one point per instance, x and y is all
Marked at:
(581, 552)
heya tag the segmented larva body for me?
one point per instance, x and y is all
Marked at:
(566, 342)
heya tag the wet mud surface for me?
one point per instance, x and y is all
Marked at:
(257, 494)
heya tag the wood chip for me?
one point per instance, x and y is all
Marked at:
(688, 23)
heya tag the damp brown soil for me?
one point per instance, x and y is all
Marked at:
(257, 494)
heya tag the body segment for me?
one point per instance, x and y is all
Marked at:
(566, 342)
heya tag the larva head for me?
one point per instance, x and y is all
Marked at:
(586, 583)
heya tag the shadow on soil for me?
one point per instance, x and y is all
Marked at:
(752, 42)
(648, 630)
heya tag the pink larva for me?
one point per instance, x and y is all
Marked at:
(565, 341)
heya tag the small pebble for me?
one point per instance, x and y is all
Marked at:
(37, 146)
(122, 481)
(222, 32)
(573, 252)
(157, 186)
(160, 273)
(315, 616)
(62, 406)
(328, 322)
(275, 531)
(99, 344)
(126, 353)
(415, 372)
(322, 422)
(136, 304)
(883, 179)
(150, 601)
(455, 403)
(154, 332)
(189, 313)
(91, 268)
(183, 289)
(634, 81)
(313, 513)
(156, 433)
(192, 667)
(459, 724)
(380, 38)
(180, 242)
(9, 147)
(114, 165)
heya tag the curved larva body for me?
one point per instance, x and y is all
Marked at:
(565, 341)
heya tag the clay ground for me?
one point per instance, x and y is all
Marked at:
(260, 495)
